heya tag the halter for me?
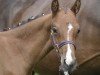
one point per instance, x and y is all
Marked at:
(58, 45)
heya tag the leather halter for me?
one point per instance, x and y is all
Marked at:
(58, 45)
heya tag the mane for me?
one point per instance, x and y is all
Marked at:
(31, 27)
(23, 22)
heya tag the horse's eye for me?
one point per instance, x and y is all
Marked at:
(54, 29)
(78, 31)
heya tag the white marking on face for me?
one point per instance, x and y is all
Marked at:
(69, 58)
(70, 27)
(66, 73)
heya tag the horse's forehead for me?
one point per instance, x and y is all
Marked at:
(71, 18)
(60, 17)
(65, 16)
(61, 13)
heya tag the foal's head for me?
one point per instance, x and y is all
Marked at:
(63, 32)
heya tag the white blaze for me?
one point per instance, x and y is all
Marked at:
(70, 27)
(69, 57)
(66, 73)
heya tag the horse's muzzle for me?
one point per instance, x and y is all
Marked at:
(67, 68)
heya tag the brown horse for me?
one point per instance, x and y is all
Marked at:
(44, 67)
(22, 48)
(88, 50)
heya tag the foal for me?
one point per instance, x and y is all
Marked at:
(20, 48)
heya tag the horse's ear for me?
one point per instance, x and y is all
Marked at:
(55, 7)
(76, 7)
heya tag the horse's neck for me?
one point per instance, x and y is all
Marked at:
(33, 37)
(32, 28)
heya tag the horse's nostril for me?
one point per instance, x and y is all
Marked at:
(64, 61)
(65, 69)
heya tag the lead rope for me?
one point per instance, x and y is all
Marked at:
(89, 59)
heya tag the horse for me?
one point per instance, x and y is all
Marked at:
(88, 17)
(88, 51)
(21, 48)
(45, 68)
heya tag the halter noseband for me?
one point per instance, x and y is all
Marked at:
(60, 44)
